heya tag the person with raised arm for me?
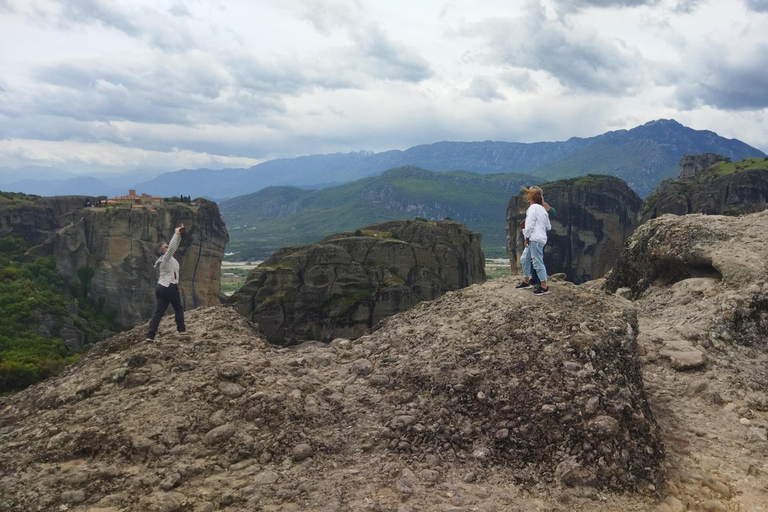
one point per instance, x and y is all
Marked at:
(167, 288)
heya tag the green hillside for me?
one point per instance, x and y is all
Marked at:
(618, 159)
(477, 201)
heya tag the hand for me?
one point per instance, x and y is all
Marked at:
(178, 229)
(526, 242)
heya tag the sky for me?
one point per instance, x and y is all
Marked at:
(106, 86)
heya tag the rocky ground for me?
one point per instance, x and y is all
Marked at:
(484, 399)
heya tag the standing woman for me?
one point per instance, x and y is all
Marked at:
(535, 233)
(167, 289)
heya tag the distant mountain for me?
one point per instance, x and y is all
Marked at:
(79, 186)
(642, 156)
(8, 175)
(275, 217)
(645, 155)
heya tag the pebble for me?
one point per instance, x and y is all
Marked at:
(714, 506)
(231, 389)
(219, 434)
(301, 452)
(170, 482)
(266, 478)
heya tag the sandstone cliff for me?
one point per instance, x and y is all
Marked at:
(595, 215)
(348, 282)
(724, 188)
(121, 246)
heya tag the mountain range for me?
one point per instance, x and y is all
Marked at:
(262, 222)
(642, 156)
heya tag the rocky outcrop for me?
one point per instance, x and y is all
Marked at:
(718, 262)
(595, 216)
(348, 282)
(691, 164)
(34, 218)
(120, 245)
(723, 188)
(513, 407)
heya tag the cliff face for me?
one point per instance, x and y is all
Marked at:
(595, 216)
(345, 284)
(121, 245)
(722, 189)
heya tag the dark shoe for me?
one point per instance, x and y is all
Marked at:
(541, 291)
(523, 286)
(184, 334)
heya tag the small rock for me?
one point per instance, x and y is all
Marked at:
(205, 507)
(714, 506)
(431, 461)
(403, 487)
(717, 486)
(502, 433)
(231, 372)
(301, 452)
(604, 426)
(231, 389)
(481, 453)
(166, 502)
(362, 367)
(219, 434)
(170, 482)
(430, 475)
(266, 478)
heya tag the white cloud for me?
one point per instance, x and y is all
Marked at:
(102, 83)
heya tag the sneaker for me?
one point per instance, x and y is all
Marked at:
(523, 286)
(183, 334)
(149, 340)
(541, 291)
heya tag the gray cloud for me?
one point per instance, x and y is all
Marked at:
(575, 5)
(758, 5)
(724, 84)
(520, 79)
(382, 58)
(179, 9)
(485, 89)
(166, 31)
(580, 59)
(326, 16)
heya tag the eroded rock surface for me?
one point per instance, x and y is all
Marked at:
(478, 398)
(595, 216)
(349, 281)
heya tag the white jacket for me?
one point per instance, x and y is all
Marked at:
(536, 224)
(169, 267)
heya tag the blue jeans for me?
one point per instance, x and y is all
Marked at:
(533, 256)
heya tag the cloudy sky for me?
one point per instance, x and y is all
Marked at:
(118, 85)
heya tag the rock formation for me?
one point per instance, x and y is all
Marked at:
(348, 282)
(723, 188)
(691, 164)
(474, 400)
(121, 246)
(595, 216)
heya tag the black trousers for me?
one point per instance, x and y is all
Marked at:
(167, 295)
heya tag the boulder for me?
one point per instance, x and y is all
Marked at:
(722, 188)
(349, 281)
(595, 216)
(712, 265)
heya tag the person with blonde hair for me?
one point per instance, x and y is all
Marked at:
(535, 233)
